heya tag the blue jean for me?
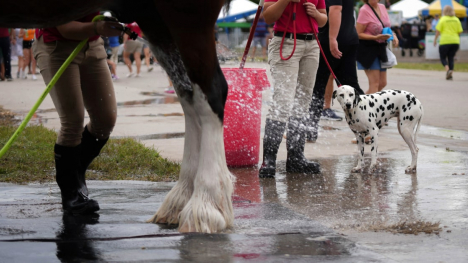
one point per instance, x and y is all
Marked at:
(375, 65)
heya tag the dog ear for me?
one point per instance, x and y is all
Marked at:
(357, 98)
(333, 96)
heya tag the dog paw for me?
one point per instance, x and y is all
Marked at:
(356, 170)
(410, 170)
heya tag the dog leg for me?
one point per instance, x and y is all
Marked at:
(360, 145)
(406, 132)
(373, 165)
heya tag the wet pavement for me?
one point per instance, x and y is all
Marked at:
(34, 230)
(336, 216)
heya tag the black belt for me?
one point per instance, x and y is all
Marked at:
(298, 36)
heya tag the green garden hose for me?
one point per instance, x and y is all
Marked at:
(46, 91)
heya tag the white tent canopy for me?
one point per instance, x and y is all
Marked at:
(409, 8)
(237, 7)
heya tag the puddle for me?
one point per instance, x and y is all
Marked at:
(156, 136)
(160, 100)
(343, 200)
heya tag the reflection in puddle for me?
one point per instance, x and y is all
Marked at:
(72, 240)
(338, 198)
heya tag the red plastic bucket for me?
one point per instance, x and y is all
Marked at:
(243, 115)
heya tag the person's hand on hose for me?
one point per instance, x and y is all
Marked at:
(334, 49)
(108, 28)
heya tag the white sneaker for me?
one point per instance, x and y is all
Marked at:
(150, 69)
(129, 75)
(137, 75)
(34, 77)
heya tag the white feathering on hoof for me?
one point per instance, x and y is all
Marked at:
(210, 208)
(181, 193)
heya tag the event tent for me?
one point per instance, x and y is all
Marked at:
(238, 7)
(437, 6)
(409, 8)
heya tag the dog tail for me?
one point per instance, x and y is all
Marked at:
(418, 125)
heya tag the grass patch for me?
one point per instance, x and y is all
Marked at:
(459, 67)
(31, 159)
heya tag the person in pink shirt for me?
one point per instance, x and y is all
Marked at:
(293, 78)
(372, 43)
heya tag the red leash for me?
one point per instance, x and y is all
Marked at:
(293, 13)
(316, 38)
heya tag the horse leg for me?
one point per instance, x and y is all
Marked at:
(168, 56)
(210, 208)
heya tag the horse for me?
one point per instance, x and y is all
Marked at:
(181, 35)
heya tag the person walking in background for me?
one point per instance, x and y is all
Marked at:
(110, 63)
(132, 47)
(328, 113)
(114, 47)
(85, 85)
(261, 32)
(449, 28)
(17, 51)
(434, 22)
(2, 67)
(372, 43)
(28, 40)
(293, 79)
(340, 43)
(5, 47)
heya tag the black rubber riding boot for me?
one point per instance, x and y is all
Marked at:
(271, 141)
(67, 163)
(296, 161)
(315, 111)
(90, 149)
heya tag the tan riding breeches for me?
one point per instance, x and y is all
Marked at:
(293, 79)
(85, 84)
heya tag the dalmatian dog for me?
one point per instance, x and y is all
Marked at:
(367, 114)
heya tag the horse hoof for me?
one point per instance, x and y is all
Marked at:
(410, 170)
(356, 170)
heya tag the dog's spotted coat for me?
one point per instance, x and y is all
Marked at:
(367, 114)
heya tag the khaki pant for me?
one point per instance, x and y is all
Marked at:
(294, 79)
(115, 54)
(133, 46)
(85, 84)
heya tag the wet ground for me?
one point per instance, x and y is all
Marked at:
(336, 216)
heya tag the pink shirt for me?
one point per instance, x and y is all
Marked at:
(373, 26)
(302, 19)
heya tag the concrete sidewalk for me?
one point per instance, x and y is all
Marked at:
(329, 217)
(147, 113)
